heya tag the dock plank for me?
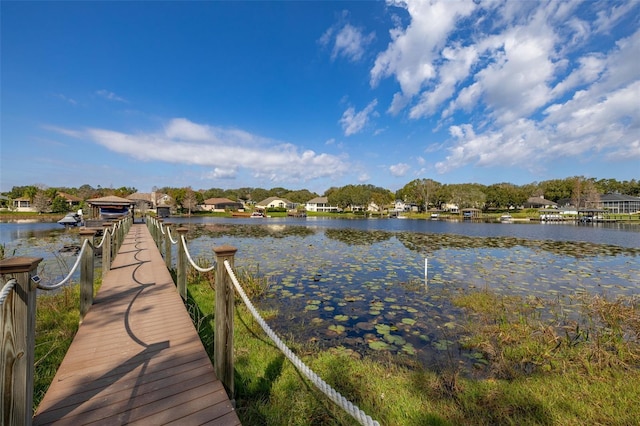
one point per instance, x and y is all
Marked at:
(137, 358)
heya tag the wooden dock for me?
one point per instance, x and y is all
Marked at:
(137, 358)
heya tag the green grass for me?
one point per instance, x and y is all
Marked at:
(534, 376)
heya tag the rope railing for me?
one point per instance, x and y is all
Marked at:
(168, 233)
(195, 266)
(104, 234)
(6, 290)
(170, 237)
(19, 314)
(68, 277)
(323, 386)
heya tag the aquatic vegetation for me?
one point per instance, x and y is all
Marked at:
(367, 288)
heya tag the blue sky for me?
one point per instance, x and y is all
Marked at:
(317, 94)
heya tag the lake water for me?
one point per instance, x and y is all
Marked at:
(361, 283)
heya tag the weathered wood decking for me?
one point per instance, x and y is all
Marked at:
(137, 358)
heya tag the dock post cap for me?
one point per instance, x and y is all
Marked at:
(14, 265)
(225, 250)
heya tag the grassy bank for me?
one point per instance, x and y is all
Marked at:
(536, 371)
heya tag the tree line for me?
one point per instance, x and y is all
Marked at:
(424, 193)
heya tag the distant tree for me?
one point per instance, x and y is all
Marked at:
(30, 192)
(259, 194)
(504, 195)
(359, 196)
(381, 197)
(419, 191)
(213, 193)
(59, 205)
(278, 192)
(124, 191)
(300, 196)
(556, 189)
(190, 200)
(86, 192)
(468, 195)
(584, 193)
(41, 202)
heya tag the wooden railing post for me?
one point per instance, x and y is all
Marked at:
(121, 234)
(159, 236)
(182, 264)
(114, 240)
(18, 327)
(86, 273)
(106, 249)
(167, 246)
(224, 313)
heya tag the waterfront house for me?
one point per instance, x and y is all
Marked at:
(619, 203)
(23, 204)
(320, 204)
(276, 203)
(72, 201)
(221, 205)
(539, 203)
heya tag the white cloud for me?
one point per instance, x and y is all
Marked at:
(533, 85)
(399, 170)
(222, 173)
(348, 41)
(225, 151)
(363, 177)
(353, 122)
(110, 96)
(65, 98)
(412, 51)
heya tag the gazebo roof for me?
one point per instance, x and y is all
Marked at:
(111, 200)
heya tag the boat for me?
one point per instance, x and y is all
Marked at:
(506, 218)
(113, 212)
(434, 216)
(71, 219)
(256, 215)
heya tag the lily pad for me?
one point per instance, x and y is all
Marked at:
(336, 328)
(408, 321)
(379, 345)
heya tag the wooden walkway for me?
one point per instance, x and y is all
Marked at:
(137, 358)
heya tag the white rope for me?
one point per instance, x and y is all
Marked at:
(68, 277)
(334, 395)
(186, 250)
(162, 228)
(104, 235)
(6, 289)
(170, 237)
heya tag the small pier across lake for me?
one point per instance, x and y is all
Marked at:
(137, 358)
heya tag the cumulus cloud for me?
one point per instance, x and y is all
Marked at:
(518, 83)
(224, 151)
(399, 170)
(353, 122)
(347, 40)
